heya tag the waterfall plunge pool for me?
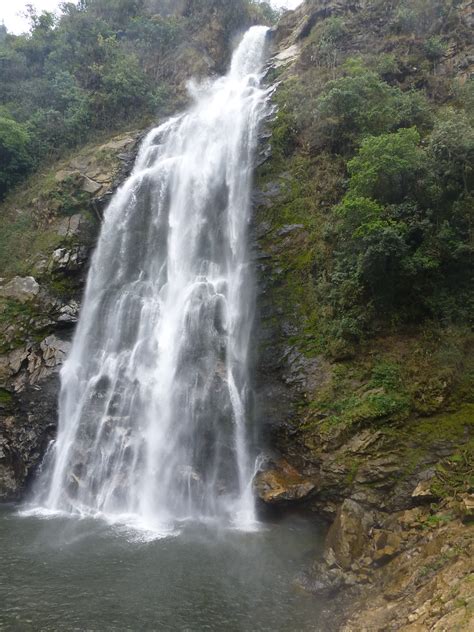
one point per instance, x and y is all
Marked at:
(84, 575)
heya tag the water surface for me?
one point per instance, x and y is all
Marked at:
(84, 575)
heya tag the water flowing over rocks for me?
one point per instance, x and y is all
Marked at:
(155, 397)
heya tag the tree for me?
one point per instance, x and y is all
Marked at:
(451, 150)
(386, 166)
(15, 159)
(361, 103)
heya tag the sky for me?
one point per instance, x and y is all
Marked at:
(10, 11)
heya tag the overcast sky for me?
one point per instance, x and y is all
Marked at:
(10, 11)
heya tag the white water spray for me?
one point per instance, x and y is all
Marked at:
(153, 410)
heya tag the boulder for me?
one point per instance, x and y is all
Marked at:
(54, 351)
(422, 492)
(281, 483)
(69, 259)
(349, 535)
(22, 289)
(322, 580)
(286, 56)
(467, 508)
(386, 546)
(90, 186)
(70, 226)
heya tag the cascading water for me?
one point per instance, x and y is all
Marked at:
(153, 410)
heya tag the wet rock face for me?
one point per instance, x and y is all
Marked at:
(28, 418)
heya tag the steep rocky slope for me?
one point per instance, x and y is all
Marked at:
(374, 430)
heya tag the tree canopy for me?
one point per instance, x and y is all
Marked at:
(103, 64)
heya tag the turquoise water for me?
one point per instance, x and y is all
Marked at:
(81, 575)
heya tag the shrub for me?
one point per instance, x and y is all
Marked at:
(434, 48)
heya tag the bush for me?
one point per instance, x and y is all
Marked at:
(358, 211)
(403, 244)
(99, 65)
(329, 36)
(434, 48)
(123, 89)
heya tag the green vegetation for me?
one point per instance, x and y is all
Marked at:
(5, 398)
(455, 475)
(15, 320)
(14, 155)
(29, 232)
(103, 64)
(372, 158)
(361, 103)
(396, 249)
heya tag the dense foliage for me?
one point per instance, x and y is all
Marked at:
(100, 65)
(395, 134)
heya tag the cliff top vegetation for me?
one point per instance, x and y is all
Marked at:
(102, 65)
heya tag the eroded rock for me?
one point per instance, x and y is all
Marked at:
(70, 226)
(68, 259)
(28, 422)
(423, 492)
(91, 186)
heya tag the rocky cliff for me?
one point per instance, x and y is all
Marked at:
(373, 431)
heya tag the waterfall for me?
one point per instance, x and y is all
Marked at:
(155, 396)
